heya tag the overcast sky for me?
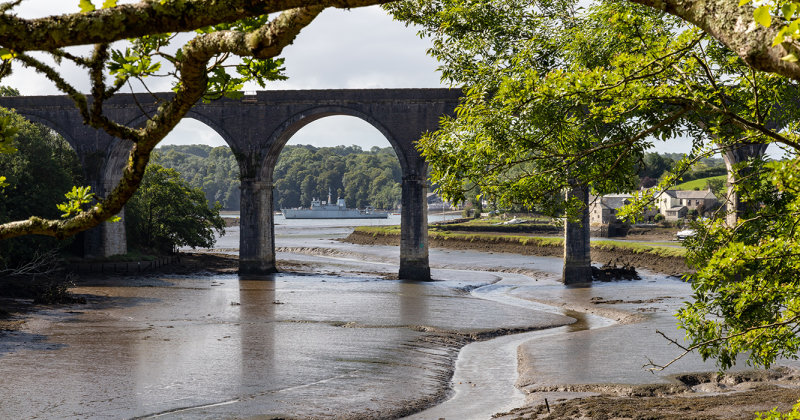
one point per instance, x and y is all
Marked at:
(358, 48)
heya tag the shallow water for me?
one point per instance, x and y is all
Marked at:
(229, 347)
(328, 346)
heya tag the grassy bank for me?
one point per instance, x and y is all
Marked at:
(663, 259)
(526, 241)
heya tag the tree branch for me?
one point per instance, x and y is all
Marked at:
(734, 26)
(143, 18)
(686, 350)
(268, 41)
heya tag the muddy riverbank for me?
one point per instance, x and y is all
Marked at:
(673, 266)
(211, 344)
(334, 337)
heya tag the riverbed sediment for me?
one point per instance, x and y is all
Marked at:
(187, 326)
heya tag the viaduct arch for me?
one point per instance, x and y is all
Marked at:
(256, 127)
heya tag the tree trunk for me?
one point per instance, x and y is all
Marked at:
(577, 253)
(733, 155)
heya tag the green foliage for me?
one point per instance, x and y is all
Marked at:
(214, 170)
(654, 165)
(123, 65)
(717, 183)
(88, 6)
(718, 186)
(166, 213)
(363, 178)
(559, 96)
(746, 289)
(785, 13)
(36, 176)
(77, 199)
(774, 414)
(8, 131)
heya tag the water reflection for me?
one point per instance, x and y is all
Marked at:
(257, 304)
(413, 303)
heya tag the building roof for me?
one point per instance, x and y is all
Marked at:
(615, 201)
(610, 201)
(695, 194)
(690, 194)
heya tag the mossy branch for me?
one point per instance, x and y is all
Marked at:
(265, 42)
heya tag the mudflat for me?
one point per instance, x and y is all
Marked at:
(572, 371)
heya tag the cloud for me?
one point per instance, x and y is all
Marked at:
(342, 49)
(359, 48)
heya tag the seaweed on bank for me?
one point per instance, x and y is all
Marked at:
(55, 290)
(41, 279)
(610, 272)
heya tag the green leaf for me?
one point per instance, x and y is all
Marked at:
(76, 200)
(743, 2)
(86, 6)
(788, 10)
(6, 54)
(762, 17)
(780, 36)
(107, 4)
(790, 58)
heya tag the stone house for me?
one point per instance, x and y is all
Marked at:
(676, 204)
(603, 209)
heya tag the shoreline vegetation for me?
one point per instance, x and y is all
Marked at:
(663, 259)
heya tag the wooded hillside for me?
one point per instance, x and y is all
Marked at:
(363, 178)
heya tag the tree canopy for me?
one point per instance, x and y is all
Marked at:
(212, 169)
(166, 213)
(363, 178)
(559, 93)
(39, 172)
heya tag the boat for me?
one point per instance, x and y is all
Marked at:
(323, 210)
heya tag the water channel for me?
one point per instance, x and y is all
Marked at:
(335, 341)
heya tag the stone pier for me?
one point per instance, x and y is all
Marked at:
(733, 156)
(577, 248)
(414, 230)
(257, 228)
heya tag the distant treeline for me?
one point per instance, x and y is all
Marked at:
(656, 165)
(363, 178)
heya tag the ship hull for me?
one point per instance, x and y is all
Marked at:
(331, 214)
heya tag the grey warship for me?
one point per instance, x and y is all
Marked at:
(320, 210)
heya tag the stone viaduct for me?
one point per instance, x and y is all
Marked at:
(256, 127)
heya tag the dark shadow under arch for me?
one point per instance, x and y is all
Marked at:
(51, 125)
